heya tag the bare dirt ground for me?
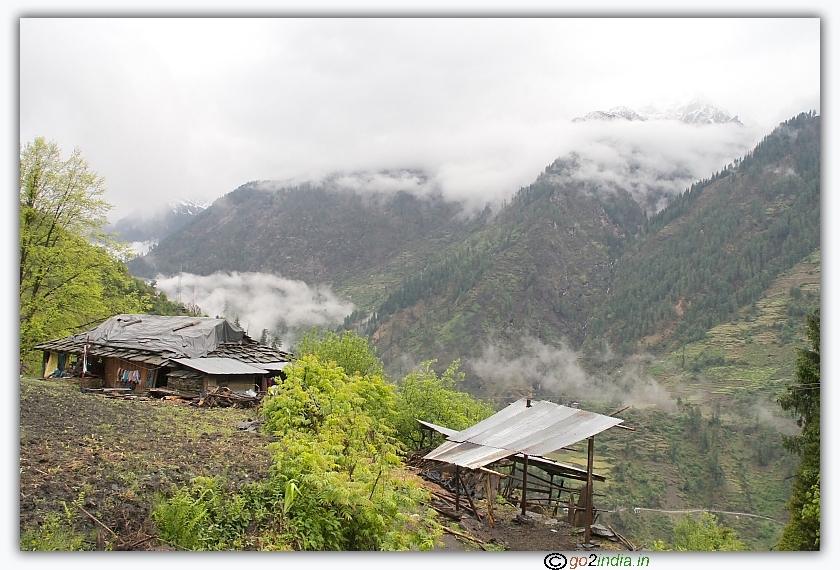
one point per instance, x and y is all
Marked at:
(110, 456)
(535, 531)
(106, 459)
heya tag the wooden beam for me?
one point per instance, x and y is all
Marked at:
(457, 488)
(618, 411)
(472, 505)
(524, 483)
(480, 543)
(587, 516)
(491, 472)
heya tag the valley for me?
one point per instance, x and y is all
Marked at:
(692, 314)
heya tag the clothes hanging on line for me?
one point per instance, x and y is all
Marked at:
(127, 377)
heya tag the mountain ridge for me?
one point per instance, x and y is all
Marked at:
(557, 262)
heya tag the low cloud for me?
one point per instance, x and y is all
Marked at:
(652, 160)
(260, 301)
(772, 418)
(556, 370)
(386, 182)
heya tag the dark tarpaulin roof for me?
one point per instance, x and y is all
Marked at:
(192, 337)
(166, 336)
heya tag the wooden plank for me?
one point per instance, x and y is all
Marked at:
(466, 536)
(587, 517)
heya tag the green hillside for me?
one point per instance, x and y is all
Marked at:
(704, 301)
(718, 247)
(563, 262)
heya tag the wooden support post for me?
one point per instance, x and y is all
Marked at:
(559, 495)
(587, 516)
(551, 489)
(490, 494)
(457, 488)
(472, 505)
(524, 483)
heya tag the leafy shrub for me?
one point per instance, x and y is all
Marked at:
(339, 465)
(426, 396)
(702, 534)
(348, 350)
(337, 481)
(203, 516)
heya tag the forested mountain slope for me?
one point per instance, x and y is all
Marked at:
(565, 259)
(314, 233)
(568, 260)
(719, 245)
(539, 269)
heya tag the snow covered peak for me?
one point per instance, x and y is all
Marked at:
(625, 113)
(693, 112)
(187, 206)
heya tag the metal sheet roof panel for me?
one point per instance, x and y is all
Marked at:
(440, 429)
(537, 429)
(220, 366)
(467, 455)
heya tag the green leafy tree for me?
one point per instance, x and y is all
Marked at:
(156, 302)
(702, 534)
(70, 272)
(344, 484)
(803, 401)
(426, 396)
(350, 351)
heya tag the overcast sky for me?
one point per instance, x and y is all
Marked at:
(197, 113)
(167, 108)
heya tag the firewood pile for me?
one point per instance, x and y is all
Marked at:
(218, 397)
(224, 397)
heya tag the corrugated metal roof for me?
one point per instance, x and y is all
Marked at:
(537, 429)
(219, 366)
(467, 454)
(440, 429)
(273, 365)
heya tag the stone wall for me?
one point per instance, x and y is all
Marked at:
(237, 382)
(188, 383)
